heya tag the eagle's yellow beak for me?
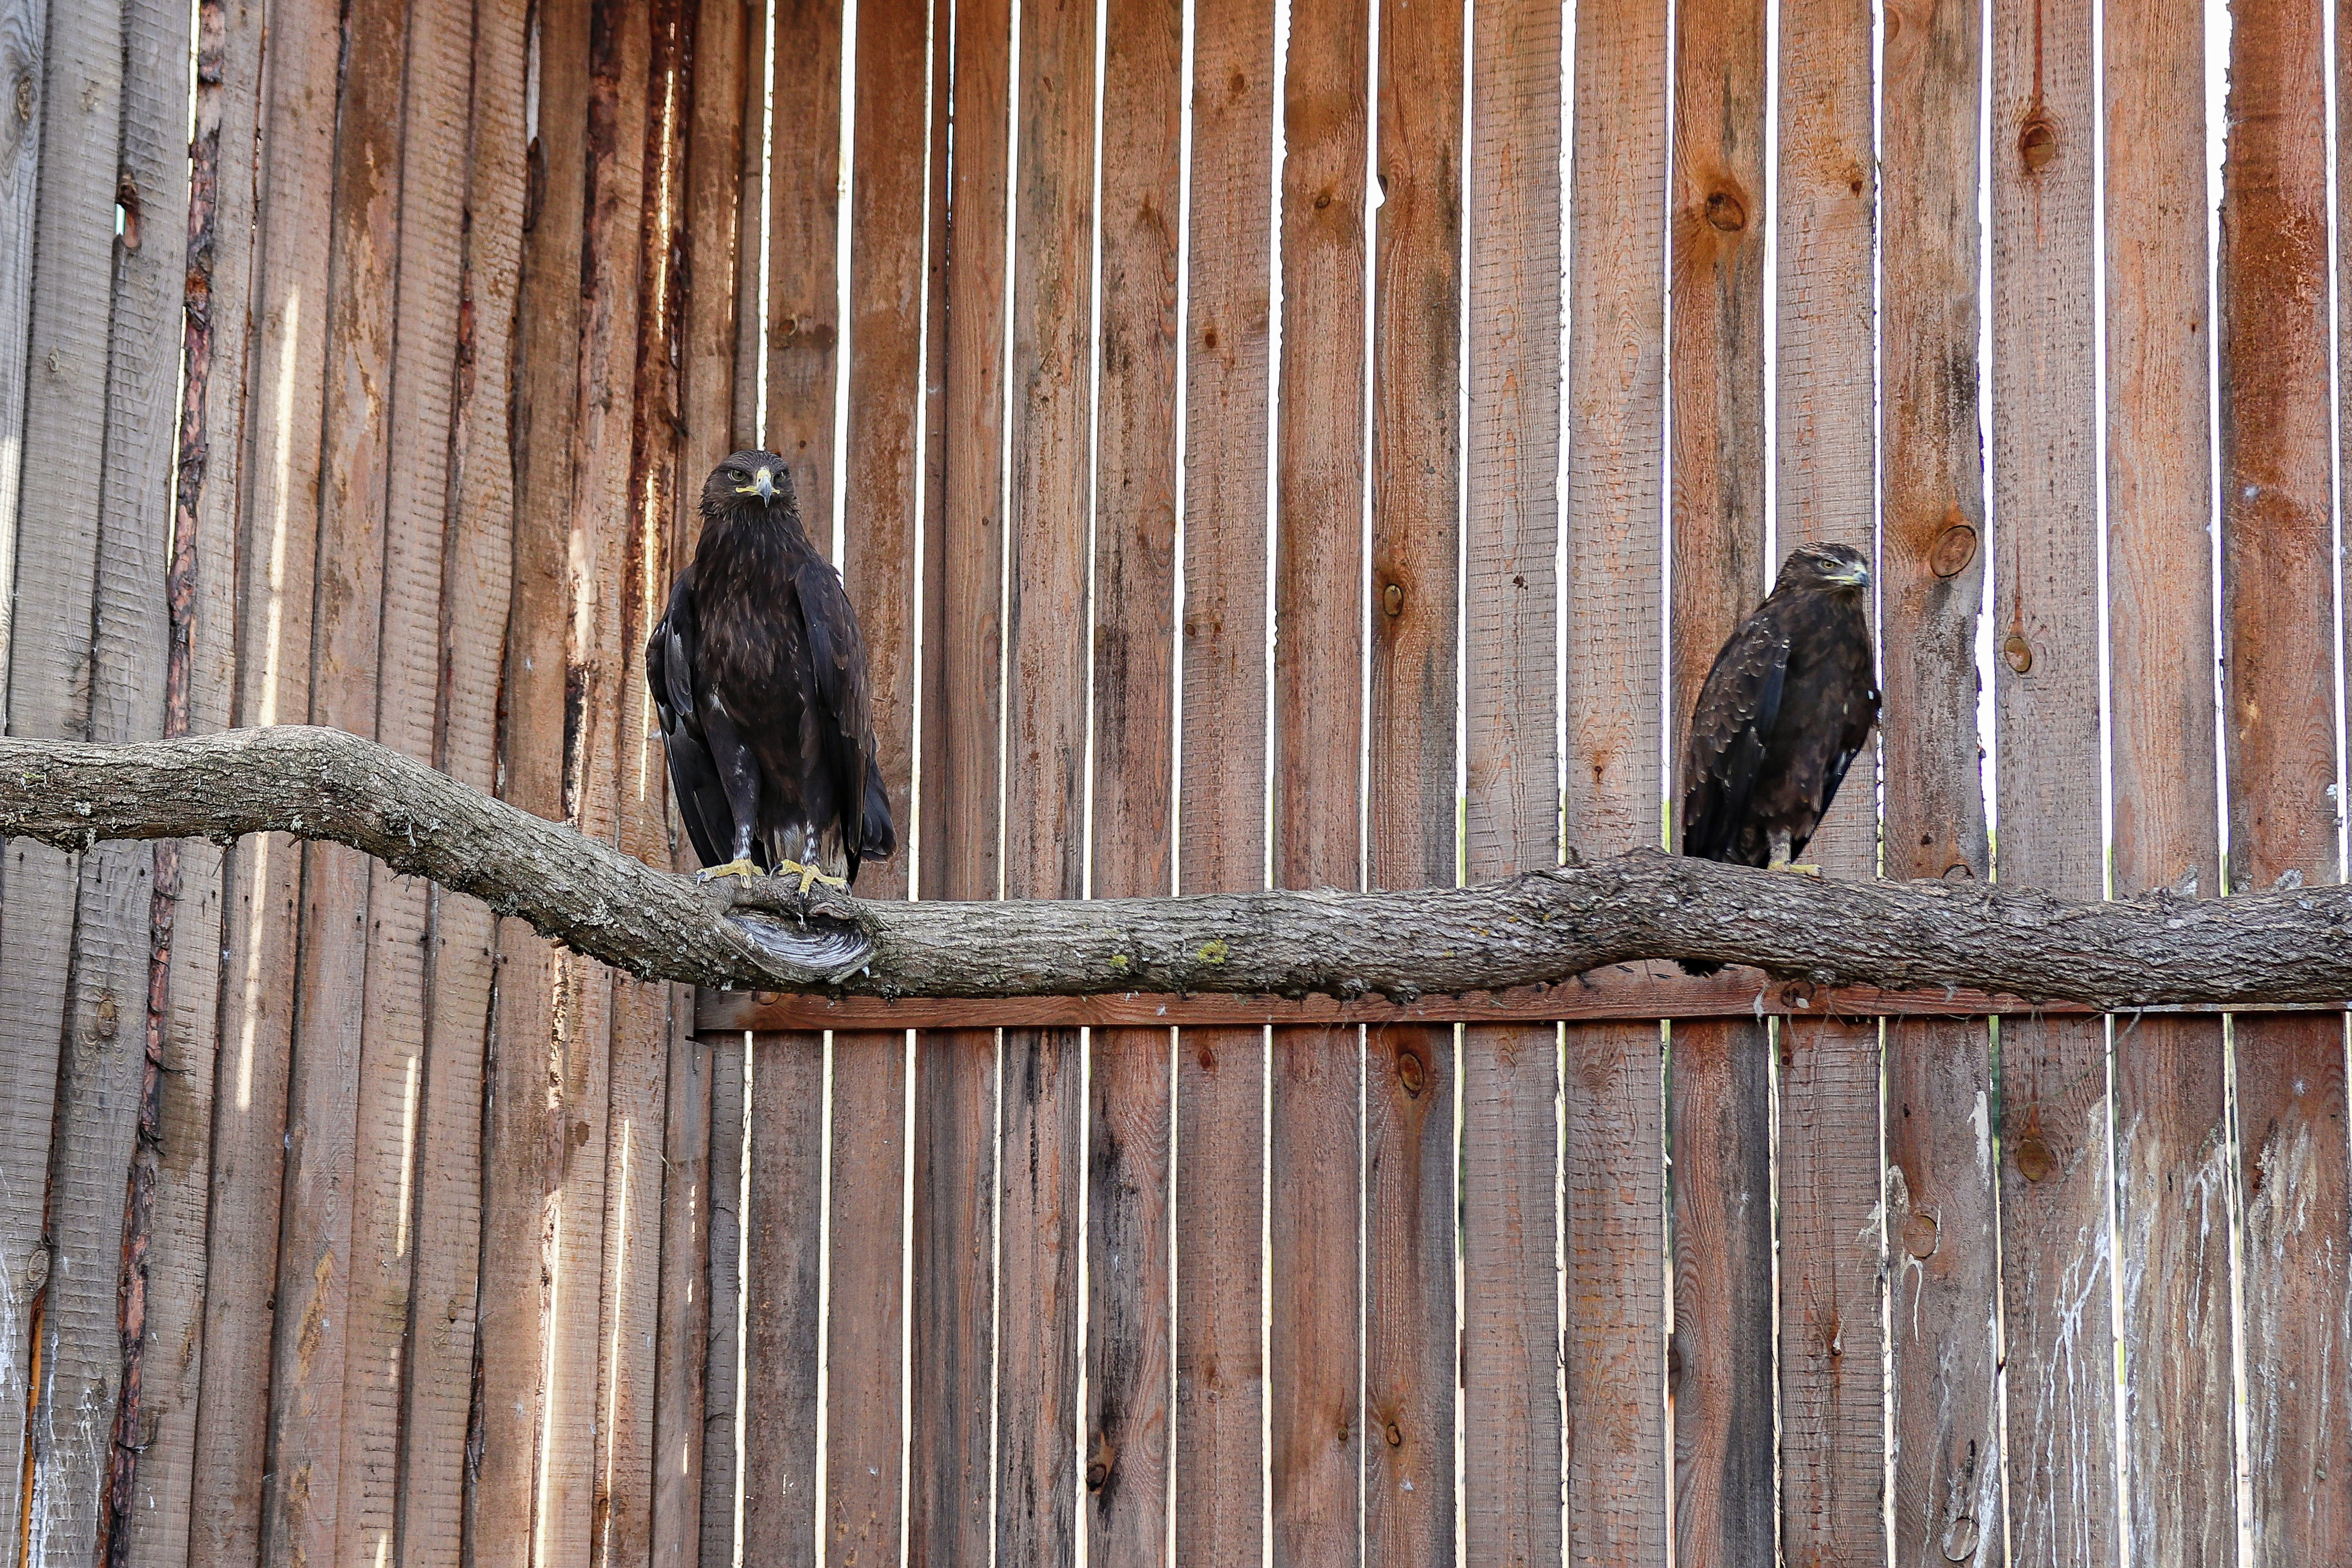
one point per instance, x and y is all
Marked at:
(1853, 576)
(763, 485)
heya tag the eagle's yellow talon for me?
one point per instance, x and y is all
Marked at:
(811, 876)
(1799, 870)
(732, 867)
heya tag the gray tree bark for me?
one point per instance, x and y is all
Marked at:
(2290, 944)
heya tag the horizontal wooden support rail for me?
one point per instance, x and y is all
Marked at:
(1623, 993)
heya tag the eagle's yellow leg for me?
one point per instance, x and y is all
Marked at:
(732, 867)
(1779, 858)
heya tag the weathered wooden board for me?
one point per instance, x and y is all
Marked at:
(1832, 1390)
(24, 27)
(424, 282)
(286, 260)
(341, 1289)
(1314, 1285)
(788, 1087)
(2056, 1248)
(1047, 609)
(633, 48)
(52, 1197)
(952, 1368)
(2279, 585)
(101, 1174)
(889, 200)
(1412, 1347)
(1941, 1214)
(1219, 1459)
(28, 1022)
(527, 1131)
(803, 280)
(1613, 1220)
(1125, 1447)
(694, 1494)
(475, 560)
(200, 687)
(1510, 1374)
(1718, 1123)
(2171, 1151)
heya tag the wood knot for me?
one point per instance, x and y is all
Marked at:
(1412, 1073)
(1919, 1236)
(1396, 1437)
(2034, 1160)
(2018, 652)
(2037, 144)
(1726, 211)
(1953, 550)
(1392, 599)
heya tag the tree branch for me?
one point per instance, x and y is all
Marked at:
(2288, 946)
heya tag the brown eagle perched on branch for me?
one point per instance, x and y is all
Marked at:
(759, 675)
(1787, 707)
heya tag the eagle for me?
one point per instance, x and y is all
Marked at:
(1787, 707)
(759, 677)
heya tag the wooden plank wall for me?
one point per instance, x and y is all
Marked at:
(299, 1142)
(1318, 445)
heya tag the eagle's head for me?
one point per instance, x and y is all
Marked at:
(756, 480)
(1836, 569)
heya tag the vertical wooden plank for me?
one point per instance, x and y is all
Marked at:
(2056, 1249)
(890, 198)
(1510, 1076)
(804, 301)
(101, 1169)
(1940, 1218)
(292, 175)
(344, 1105)
(1411, 1354)
(2172, 1148)
(476, 557)
(387, 1240)
(694, 1495)
(2278, 586)
(1130, 1415)
(788, 1086)
(954, 1332)
(200, 684)
(1314, 1194)
(1614, 1340)
(528, 1129)
(24, 26)
(1718, 1122)
(1048, 609)
(1221, 1078)
(722, 1388)
(638, 52)
(48, 671)
(1833, 1389)
(27, 1038)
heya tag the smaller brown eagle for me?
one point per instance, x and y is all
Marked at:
(1787, 707)
(758, 676)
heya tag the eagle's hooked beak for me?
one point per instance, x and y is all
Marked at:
(765, 483)
(1853, 576)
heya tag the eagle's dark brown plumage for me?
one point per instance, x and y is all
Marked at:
(1787, 707)
(758, 676)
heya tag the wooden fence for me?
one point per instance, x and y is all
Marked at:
(1319, 443)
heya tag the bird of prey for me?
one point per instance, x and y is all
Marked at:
(758, 676)
(1787, 707)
